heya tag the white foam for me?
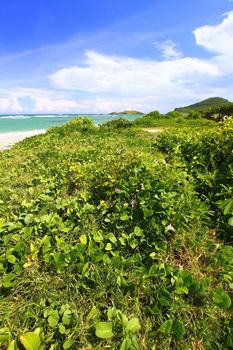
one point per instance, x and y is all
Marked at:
(15, 117)
(51, 116)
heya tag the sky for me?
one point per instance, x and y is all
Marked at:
(99, 56)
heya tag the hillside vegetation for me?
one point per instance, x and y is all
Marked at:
(114, 238)
(201, 114)
(126, 112)
(204, 105)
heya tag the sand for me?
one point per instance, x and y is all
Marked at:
(7, 140)
(152, 129)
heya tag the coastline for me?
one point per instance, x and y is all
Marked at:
(7, 140)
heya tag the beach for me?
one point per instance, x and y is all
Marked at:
(7, 140)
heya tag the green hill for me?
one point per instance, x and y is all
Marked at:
(126, 112)
(203, 105)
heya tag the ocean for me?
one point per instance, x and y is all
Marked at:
(19, 123)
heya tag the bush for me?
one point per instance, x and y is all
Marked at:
(117, 124)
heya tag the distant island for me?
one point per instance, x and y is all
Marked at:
(204, 105)
(125, 112)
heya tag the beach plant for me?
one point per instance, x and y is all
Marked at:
(114, 238)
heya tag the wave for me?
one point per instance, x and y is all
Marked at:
(35, 116)
(15, 117)
(52, 116)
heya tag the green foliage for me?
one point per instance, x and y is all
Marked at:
(194, 115)
(103, 330)
(207, 156)
(148, 120)
(173, 114)
(126, 112)
(111, 238)
(174, 119)
(221, 298)
(219, 112)
(117, 124)
(204, 105)
(30, 341)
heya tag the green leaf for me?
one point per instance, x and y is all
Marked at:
(112, 238)
(68, 343)
(221, 298)
(124, 217)
(123, 319)
(62, 329)
(137, 231)
(230, 221)
(67, 317)
(83, 239)
(4, 335)
(30, 341)
(92, 313)
(108, 247)
(126, 344)
(182, 290)
(165, 327)
(103, 330)
(178, 330)
(11, 259)
(53, 319)
(112, 312)
(28, 219)
(12, 345)
(133, 325)
(228, 207)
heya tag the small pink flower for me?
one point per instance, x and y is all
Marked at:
(133, 202)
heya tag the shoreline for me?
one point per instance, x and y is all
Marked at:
(8, 139)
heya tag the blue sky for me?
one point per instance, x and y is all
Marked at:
(97, 56)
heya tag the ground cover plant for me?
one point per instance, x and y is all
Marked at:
(114, 238)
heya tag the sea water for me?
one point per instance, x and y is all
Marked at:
(19, 123)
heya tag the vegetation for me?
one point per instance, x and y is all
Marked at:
(173, 119)
(218, 113)
(126, 112)
(204, 105)
(114, 238)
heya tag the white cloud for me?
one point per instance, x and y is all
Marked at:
(50, 105)
(217, 38)
(44, 100)
(130, 76)
(175, 78)
(10, 105)
(169, 50)
(112, 82)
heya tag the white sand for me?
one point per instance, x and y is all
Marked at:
(7, 140)
(152, 129)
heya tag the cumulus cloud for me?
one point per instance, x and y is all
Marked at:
(44, 101)
(169, 49)
(124, 75)
(175, 77)
(52, 105)
(113, 82)
(217, 38)
(10, 105)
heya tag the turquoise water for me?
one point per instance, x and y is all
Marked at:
(13, 123)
